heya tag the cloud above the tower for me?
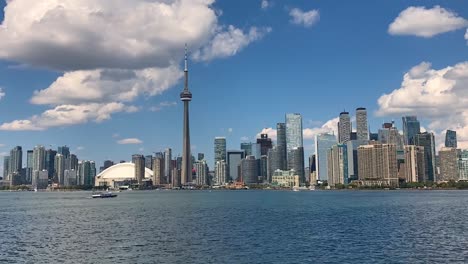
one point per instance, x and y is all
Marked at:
(113, 51)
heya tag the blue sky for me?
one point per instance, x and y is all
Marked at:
(341, 59)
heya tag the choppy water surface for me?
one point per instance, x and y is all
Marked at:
(235, 227)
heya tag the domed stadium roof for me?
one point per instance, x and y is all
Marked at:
(122, 171)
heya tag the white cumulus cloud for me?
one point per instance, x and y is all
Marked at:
(66, 115)
(304, 18)
(230, 42)
(426, 22)
(161, 106)
(437, 95)
(129, 141)
(331, 126)
(271, 132)
(265, 4)
(2, 93)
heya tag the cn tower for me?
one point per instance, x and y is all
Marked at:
(186, 97)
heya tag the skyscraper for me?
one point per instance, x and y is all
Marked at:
(16, 162)
(29, 166)
(411, 127)
(413, 169)
(234, 158)
(338, 165)
(39, 165)
(323, 142)
(220, 172)
(451, 139)
(168, 165)
(59, 165)
(344, 128)
(64, 150)
(293, 132)
(313, 169)
(296, 162)
(149, 162)
(463, 165)
(378, 162)
(186, 97)
(139, 168)
(426, 140)
(50, 161)
(275, 162)
(281, 144)
(389, 134)
(201, 172)
(265, 144)
(158, 171)
(219, 149)
(448, 164)
(249, 170)
(246, 147)
(86, 172)
(201, 156)
(6, 167)
(362, 129)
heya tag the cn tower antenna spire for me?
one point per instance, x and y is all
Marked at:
(186, 67)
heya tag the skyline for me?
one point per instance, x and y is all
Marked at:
(254, 77)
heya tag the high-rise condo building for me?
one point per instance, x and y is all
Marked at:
(426, 140)
(249, 170)
(463, 165)
(344, 128)
(413, 169)
(220, 149)
(221, 172)
(201, 170)
(296, 162)
(50, 162)
(149, 162)
(168, 165)
(448, 164)
(338, 165)
(362, 128)
(234, 158)
(411, 127)
(39, 165)
(378, 162)
(451, 139)
(158, 171)
(323, 142)
(275, 162)
(293, 132)
(29, 166)
(6, 167)
(265, 144)
(16, 164)
(139, 161)
(64, 150)
(247, 148)
(281, 144)
(389, 134)
(59, 165)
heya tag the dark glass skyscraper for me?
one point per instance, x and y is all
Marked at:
(50, 162)
(265, 144)
(426, 140)
(64, 150)
(411, 127)
(281, 144)
(296, 162)
(234, 158)
(451, 139)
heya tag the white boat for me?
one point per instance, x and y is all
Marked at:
(104, 195)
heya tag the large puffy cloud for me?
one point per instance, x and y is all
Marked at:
(65, 115)
(111, 52)
(422, 22)
(439, 96)
(304, 18)
(107, 85)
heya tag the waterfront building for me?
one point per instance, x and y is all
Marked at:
(16, 163)
(338, 165)
(247, 148)
(426, 140)
(378, 162)
(389, 134)
(265, 144)
(352, 147)
(168, 165)
(451, 139)
(50, 162)
(263, 168)
(87, 172)
(39, 165)
(411, 127)
(344, 128)
(448, 164)
(296, 162)
(293, 132)
(149, 161)
(63, 150)
(158, 171)
(69, 178)
(281, 145)
(29, 166)
(323, 142)
(73, 162)
(6, 167)
(362, 128)
(275, 156)
(313, 169)
(463, 166)
(413, 169)
(41, 180)
(249, 170)
(220, 149)
(221, 172)
(285, 179)
(234, 158)
(201, 170)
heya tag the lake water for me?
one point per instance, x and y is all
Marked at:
(235, 227)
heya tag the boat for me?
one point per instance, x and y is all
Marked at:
(104, 195)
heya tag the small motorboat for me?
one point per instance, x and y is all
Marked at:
(104, 195)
